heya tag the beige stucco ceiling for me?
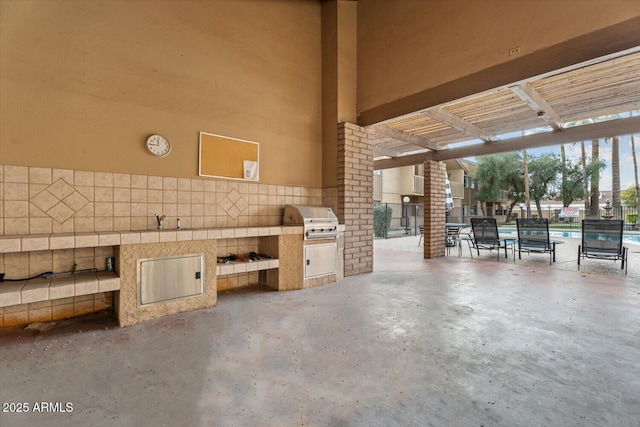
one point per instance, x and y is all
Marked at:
(556, 102)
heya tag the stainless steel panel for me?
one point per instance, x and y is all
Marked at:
(320, 260)
(298, 214)
(164, 279)
(324, 231)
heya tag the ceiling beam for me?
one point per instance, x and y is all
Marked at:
(536, 101)
(381, 150)
(439, 114)
(588, 132)
(609, 111)
(404, 137)
(397, 162)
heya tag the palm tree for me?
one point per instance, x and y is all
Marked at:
(563, 158)
(615, 171)
(635, 173)
(527, 200)
(594, 210)
(585, 180)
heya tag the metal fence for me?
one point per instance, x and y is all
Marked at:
(405, 219)
(629, 214)
(397, 219)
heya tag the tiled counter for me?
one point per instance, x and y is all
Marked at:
(43, 242)
(37, 290)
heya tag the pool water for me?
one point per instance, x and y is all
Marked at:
(626, 237)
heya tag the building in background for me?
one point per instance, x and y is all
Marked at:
(392, 186)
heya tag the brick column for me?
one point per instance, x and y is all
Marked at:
(434, 210)
(355, 197)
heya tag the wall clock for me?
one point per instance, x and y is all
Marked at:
(158, 145)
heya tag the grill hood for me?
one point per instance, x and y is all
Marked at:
(319, 222)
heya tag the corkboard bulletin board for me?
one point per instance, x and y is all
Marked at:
(224, 157)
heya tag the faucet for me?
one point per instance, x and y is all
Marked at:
(160, 219)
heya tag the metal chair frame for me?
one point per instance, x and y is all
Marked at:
(602, 239)
(485, 236)
(451, 235)
(533, 236)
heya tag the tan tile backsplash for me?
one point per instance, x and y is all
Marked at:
(38, 200)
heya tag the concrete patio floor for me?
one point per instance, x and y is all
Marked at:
(566, 256)
(444, 342)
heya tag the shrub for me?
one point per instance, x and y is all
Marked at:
(632, 218)
(381, 220)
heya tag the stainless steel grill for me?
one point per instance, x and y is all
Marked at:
(319, 222)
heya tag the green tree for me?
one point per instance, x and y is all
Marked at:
(497, 173)
(381, 220)
(628, 196)
(572, 188)
(545, 170)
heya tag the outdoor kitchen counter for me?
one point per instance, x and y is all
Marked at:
(271, 238)
(44, 242)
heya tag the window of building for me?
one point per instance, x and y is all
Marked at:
(468, 182)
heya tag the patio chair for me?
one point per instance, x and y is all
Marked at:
(465, 235)
(485, 236)
(602, 239)
(451, 235)
(533, 236)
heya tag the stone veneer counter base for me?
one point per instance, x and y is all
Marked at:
(129, 312)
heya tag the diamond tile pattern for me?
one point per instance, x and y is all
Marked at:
(75, 201)
(60, 212)
(44, 200)
(60, 200)
(60, 189)
(234, 204)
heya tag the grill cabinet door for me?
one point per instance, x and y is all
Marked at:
(163, 279)
(319, 260)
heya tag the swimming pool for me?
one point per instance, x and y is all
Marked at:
(633, 238)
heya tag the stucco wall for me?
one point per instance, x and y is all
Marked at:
(83, 83)
(339, 39)
(405, 47)
(396, 183)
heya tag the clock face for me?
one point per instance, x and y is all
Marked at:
(158, 145)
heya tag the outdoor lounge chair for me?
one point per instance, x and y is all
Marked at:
(485, 236)
(602, 239)
(533, 236)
